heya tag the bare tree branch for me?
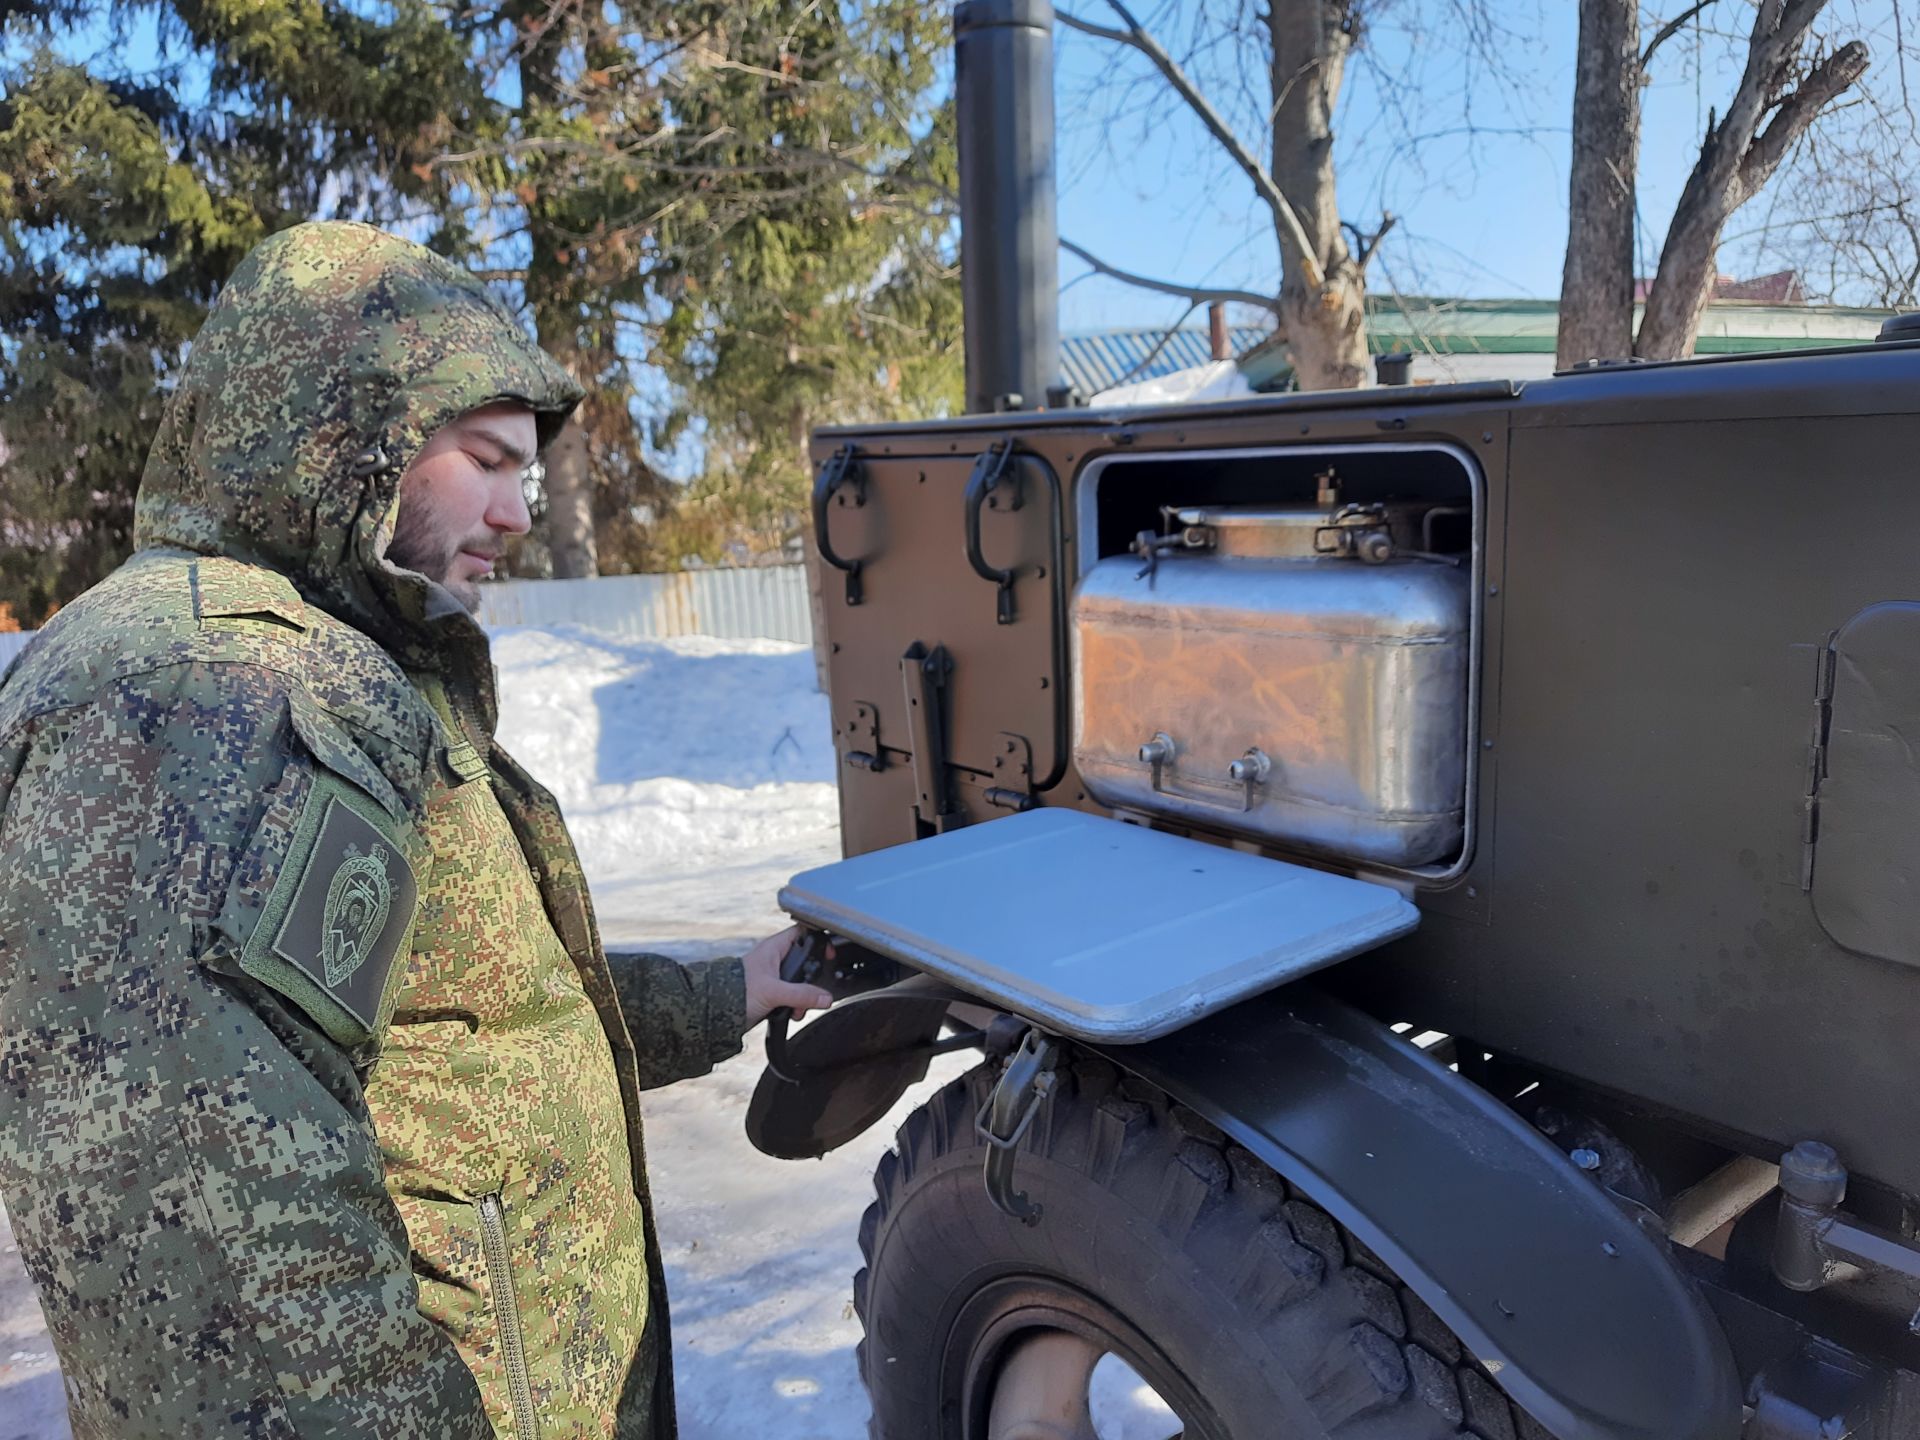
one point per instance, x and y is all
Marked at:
(1099, 32)
(1673, 27)
(1364, 244)
(1198, 294)
(1829, 79)
(1287, 219)
(1736, 159)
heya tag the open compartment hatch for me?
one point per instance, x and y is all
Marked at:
(1097, 929)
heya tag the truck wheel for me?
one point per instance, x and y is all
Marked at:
(1249, 1311)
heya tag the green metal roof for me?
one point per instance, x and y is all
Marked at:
(1527, 327)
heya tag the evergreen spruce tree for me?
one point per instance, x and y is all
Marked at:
(712, 213)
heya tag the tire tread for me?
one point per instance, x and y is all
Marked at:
(1372, 1359)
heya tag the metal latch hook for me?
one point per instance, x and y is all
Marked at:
(1008, 1115)
(842, 468)
(995, 473)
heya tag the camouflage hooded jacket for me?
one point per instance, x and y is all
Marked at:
(185, 1036)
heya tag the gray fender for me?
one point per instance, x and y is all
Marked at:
(1579, 1313)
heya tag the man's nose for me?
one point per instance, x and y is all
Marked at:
(507, 507)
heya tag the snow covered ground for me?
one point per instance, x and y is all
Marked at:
(697, 776)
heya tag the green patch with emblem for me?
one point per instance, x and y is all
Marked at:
(340, 916)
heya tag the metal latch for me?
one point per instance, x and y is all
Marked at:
(1007, 1116)
(1356, 532)
(1012, 787)
(923, 675)
(863, 738)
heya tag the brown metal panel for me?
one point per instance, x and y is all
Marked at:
(918, 586)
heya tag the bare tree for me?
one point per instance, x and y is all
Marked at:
(1322, 299)
(1786, 83)
(1596, 284)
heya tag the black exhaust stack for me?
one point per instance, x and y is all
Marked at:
(1009, 232)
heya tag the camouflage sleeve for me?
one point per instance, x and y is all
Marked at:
(187, 1157)
(685, 1019)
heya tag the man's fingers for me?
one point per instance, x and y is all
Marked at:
(798, 998)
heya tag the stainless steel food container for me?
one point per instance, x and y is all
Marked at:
(1314, 701)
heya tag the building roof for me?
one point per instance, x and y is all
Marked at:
(1528, 326)
(1452, 339)
(1097, 360)
(1783, 287)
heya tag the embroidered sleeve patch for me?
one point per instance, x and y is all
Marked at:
(340, 916)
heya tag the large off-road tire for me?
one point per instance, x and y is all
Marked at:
(1246, 1307)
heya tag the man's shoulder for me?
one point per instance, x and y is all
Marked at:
(243, 629)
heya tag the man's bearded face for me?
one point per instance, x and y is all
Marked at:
(463, 496)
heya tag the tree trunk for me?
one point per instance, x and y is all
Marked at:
(1736, 159)
(1596, 284)
(570, 537)
(570, 483)
(1325, 324)
(816, 574)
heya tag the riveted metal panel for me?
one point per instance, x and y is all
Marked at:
(908, 534)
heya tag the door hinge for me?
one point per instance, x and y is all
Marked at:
(1826, 663)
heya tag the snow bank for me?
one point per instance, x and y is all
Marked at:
(695, 774)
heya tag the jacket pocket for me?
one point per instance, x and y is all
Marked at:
(506, 1314)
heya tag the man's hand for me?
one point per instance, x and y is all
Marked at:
(766, 991)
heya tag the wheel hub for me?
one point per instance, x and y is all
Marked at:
(1043, 1392)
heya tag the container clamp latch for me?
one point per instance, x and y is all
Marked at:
(1007, 1116)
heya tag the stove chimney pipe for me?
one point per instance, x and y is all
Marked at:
(1009, 231)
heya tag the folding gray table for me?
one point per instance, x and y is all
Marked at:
(1097, 929)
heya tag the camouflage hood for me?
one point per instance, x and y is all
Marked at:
(332, 356)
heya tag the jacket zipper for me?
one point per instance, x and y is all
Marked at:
(506, 1312)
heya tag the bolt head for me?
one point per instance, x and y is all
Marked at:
(1586, 1159)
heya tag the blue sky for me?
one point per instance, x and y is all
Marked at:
(1481, 215)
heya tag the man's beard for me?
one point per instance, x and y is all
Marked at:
(419, 545)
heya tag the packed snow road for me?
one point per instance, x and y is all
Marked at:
(697, 776)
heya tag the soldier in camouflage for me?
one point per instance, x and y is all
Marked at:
(319, 1098)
